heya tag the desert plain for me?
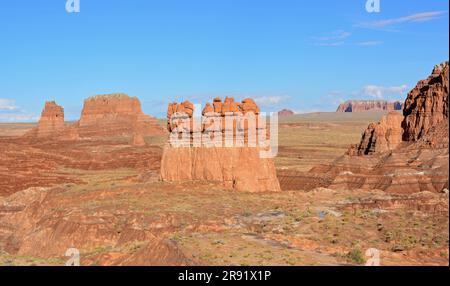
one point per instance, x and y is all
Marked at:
(105, 198)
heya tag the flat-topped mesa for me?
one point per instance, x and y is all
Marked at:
(201, 149)
(115, 115)
(369, 105)
(427, 104)
(380, 137)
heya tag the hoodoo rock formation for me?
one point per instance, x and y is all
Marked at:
(368, 105)
(224, 146)
(51, 123)
(407, 154)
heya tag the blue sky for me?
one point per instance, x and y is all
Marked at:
(303, 55)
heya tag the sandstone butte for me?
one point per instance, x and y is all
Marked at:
(51, 121)
(406, 153)
(286, 112)
(238, 168)
(369, 105)
(102, 116)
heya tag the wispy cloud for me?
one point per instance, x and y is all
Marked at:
(10, 112)
(379, 92)
(7, 104)
(18, 117)
(333, 39)
(414, 18)
(369, 43)
(271, 100)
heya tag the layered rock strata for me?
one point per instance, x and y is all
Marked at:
(407, 154)
(222, 145)
(51, 123)
(427, 104)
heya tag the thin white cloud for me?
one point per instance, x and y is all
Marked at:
(414, 18)
(379, 92)
(332, 44)
(7, 104)
(336, 38)
(369, 43)
(271, 100)
(18, 117)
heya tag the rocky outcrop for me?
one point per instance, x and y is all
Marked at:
(427, 104)
(380, 137)
(221, 124)
(51, 123)
(407, 154)
(222, 146)
(115, 115)
(286, 112)
(369, 105)
(241, 168)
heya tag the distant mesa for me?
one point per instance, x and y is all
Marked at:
(107, 115)
(369, 105)
(286, 112)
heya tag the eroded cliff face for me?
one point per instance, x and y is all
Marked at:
(241, 168)
(406, 154)
(427, 104)
(369, 105)
(380, 137)
(202, 153)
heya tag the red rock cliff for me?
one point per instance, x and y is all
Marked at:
(427, 104)
(380, 137)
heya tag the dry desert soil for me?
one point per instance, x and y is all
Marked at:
(104, 197)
